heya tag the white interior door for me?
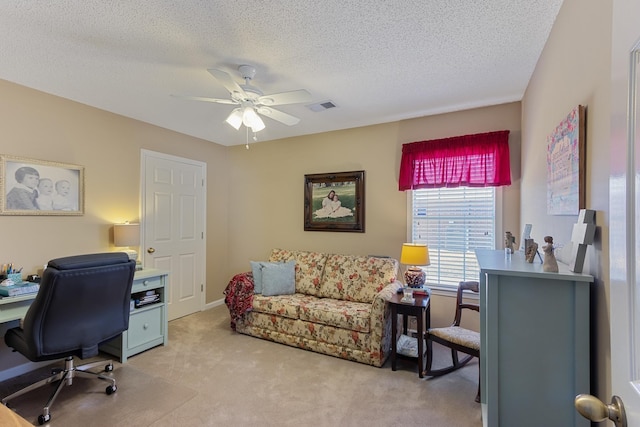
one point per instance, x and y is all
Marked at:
(624, 228)
(173, 212)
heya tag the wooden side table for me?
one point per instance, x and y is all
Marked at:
(421, 309)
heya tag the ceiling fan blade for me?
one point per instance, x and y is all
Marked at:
(227, 81)
(279, 116)
(205, 99)
(293, 97)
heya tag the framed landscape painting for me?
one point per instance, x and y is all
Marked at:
(39, 187)
(334, 202)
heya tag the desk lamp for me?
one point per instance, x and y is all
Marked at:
(126, 235)
(414, 254)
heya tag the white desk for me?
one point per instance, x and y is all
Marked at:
(14, 308)
(147, 325)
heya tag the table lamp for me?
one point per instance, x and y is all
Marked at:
(414, 254)
(126, 235)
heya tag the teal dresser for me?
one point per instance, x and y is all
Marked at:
(147, 324)
(534, 329)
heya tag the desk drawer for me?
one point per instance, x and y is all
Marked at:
(146, 284)
(145, 326)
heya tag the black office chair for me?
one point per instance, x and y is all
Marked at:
(83, 301)
(455, 337)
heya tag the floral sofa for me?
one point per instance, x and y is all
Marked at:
(338, 307)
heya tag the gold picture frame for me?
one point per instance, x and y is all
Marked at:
(40, 187)
(334, 202)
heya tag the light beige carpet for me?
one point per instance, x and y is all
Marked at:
(209, 375)
(140, 399)
(246, 381)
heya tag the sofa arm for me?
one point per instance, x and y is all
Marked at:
(381, 323)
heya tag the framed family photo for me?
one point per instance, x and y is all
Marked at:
(39, 187)
(334, 202)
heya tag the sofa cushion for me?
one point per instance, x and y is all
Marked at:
(279, 278)
(300, 332)
(354, 316)
(309, 268)
(281, 305)
(356, 278)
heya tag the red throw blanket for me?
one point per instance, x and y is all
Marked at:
(239, 296)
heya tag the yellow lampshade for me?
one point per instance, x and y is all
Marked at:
(414, 254)
(126, 235)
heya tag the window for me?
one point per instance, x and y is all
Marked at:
(453, 222)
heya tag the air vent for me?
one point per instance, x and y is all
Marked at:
(321, 106)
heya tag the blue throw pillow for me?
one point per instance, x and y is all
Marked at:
(279, 278)
(256, 269)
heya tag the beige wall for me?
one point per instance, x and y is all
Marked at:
(254, 197)
(264, 184)
(574, 69)
(267, 186)
(42, 126)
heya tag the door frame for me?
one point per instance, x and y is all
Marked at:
(624, 164)
(144, 154)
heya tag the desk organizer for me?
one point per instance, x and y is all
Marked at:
(16, 277)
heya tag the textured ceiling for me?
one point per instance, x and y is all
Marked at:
(377, 60)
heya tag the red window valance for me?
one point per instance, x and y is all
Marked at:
(480, 160)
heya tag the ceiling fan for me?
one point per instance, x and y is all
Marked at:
(251, 101)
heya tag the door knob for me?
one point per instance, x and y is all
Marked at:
(151, 250)
(594, 409)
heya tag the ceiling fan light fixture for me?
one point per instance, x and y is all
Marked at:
(250, 101)
(258, 127)
(235, 118)
(251, 119)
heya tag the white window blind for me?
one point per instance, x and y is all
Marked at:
(453, 222)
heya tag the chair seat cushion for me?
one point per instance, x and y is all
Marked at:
(458, 335)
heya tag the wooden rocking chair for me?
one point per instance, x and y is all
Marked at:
(456, 338)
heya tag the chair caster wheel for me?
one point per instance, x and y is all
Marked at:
(111, 389)
(44, 419)
(109, 367)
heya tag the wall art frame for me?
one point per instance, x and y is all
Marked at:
(334, 201)
(40, 187)
(566, 165)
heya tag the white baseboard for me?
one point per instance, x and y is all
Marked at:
(213, 304)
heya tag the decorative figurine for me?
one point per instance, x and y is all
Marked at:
(550, 264)
(531, 250)
(509, 241)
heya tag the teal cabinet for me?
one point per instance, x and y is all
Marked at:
(534, 329)
(148, 324)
